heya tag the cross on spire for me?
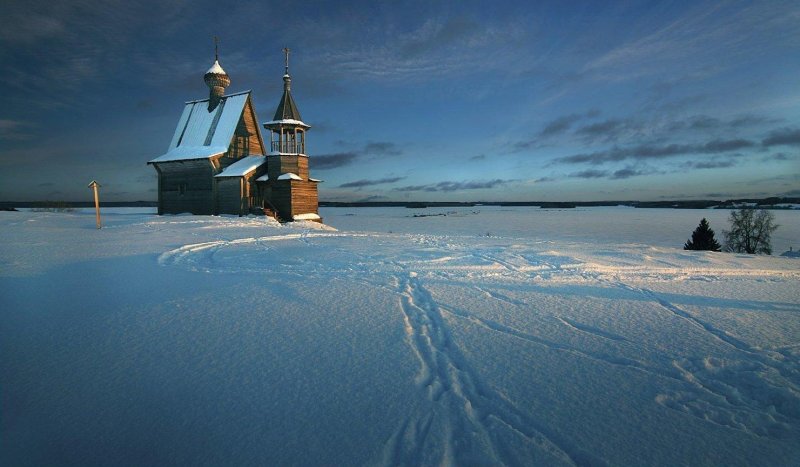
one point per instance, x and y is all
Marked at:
(216, 48)
(286, 52)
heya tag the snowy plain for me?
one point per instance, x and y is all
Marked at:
(484, 335)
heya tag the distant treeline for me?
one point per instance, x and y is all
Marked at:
(762, 203)
(76, 204)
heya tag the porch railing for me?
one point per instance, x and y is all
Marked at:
(290, 147)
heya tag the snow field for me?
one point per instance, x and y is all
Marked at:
(211, 340)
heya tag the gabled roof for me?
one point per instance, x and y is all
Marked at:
(201, 134)
(243, 166)
(287, 109)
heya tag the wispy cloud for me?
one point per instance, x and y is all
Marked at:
(784, 136)
(14, 130)
(456, 186)
(340, 159)
(559, 125)
(440, 46)
(629, 172)
(649, 152)
(332, 161)
(364, 183)
(382, 149)
(589, 173)
(712, 164)
(715, 32)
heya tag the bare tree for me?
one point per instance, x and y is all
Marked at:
(750, 231)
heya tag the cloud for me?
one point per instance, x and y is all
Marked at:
(382, 149)
(712, 164)
(479, 157)
(456, 186)
(590, 173)
(724, 146)
(31, 27)
(751, 120)
(646, 152)
(14, 130)
(340, 159)
(368, 47)
(371, 198)
(365, 182)
(629, 172)
(559, 125)
(784, 136)
(332, 161)
(556, 127)
(544, 180)
(434, 35)
(781, 156)
(703, 122)
(609, 128)
(706, 33)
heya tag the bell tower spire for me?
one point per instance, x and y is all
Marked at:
(287, 128)
(287, 79)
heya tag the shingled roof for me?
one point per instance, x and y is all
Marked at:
(287, 109)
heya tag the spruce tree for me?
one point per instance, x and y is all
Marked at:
(702, 238)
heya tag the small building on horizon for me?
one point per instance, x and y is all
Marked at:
(217, 162)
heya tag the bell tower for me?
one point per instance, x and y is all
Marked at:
(287, 186)
(287, 142)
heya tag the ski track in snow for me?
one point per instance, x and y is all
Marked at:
(461, 415)
(467, 406)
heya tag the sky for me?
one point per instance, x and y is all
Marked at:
(411, 101)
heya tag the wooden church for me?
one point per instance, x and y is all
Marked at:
(217, 162)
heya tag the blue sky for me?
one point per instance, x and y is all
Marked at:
(463, 101)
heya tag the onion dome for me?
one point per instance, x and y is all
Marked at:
(217, 80)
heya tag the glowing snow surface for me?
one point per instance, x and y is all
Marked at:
(220, 340)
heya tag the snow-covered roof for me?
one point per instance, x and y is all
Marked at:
(306, 217)
(286, 121)
(314, 180)
(243, 166)
(216, 68)
(289, 176)
(189, 153)
(263, 178)
(201, 134)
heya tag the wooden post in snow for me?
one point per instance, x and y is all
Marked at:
(94, 186)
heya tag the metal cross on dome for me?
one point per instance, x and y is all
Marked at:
(216, 48)
(286, 52)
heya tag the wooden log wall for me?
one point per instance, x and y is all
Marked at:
(279, 165)
(304, 197)
(186, 186)
(229, 195)
(250, 127)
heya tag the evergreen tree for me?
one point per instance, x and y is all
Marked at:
(702, 238)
